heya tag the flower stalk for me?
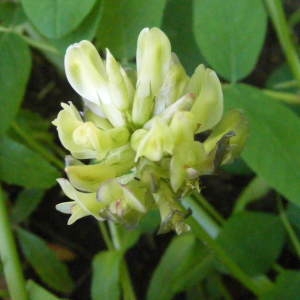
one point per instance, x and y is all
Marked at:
(9, 255)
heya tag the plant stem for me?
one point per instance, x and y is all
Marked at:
(282, 96)
(286, 84)
(128, 292)
(9, 255)
(106, 236)
(202, 217)
(37, 147)
(289, 229)
(33, 43)
(210, 209)
(278, 17)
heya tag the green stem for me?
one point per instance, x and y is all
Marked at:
(278, 17)
(33, 43)
(286, 84)
(210, 209)
(202, 217)
(9, 255)
(282, 96)
(278, 268)
(128, 292)
(105, 236)
(37, 147)
(289, 229)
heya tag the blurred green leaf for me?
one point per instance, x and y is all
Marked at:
(32, 122)
(11, 14)
(122, 21)
(15, 62)
(21, 166)
(54, 18)
(273, 147)
(106, 274)
(128, 237)
(253, 240)
(256, 189)
(44, 261)
(184, 263)
(230, 34)
(85, 31)
(26, 203)
(177, 24)
(287, 287)
(36, 292)
(150, 222)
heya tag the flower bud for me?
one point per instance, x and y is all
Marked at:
(154, 143)
(152, 59)
(89, 177)
(87, 75)
(172, 87)
(83, 139)
(188, 160)
(121, 89)
(171, 213)
(122, 203)
(185, 103)
(83, 204)
(208, 106)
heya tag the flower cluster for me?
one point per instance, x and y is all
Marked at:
(133, 147)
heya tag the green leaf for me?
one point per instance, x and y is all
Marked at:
(26, 203)
(287, 287)
(273, 147)
(32, 122)
(86, 31)
(15, 62)
(106, 274)
(21, 166)
(184, 263)
(256, 189)
(123, 20)
(45, 262)
(11, 14)
(230, 34)
(36, 292)
(177, 24)
(55, 18)
(128, 237)
(253, 240)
